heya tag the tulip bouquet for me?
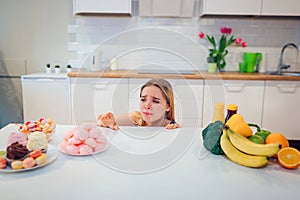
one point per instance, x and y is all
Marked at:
(218, 52)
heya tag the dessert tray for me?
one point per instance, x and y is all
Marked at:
(93, 153)
(52, 155)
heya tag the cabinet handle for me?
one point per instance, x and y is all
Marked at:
(99, 85)
(234, 87)
(287, 88)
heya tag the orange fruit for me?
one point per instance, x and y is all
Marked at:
(277, 138)
(289, 158)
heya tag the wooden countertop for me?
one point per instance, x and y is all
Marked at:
(197, 75)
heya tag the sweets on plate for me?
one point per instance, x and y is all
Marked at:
(17, 137)
(3, 163)
(35, 153)
(2, 154)
(28, 163)
(37, 140)
(42, 125)
(42, 159)
(17, 164)
(16, 151)
(84, 139)
(19, 156)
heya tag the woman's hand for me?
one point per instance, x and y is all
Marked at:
(107, 120)
(173, 126)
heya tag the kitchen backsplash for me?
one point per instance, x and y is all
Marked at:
(154, 42)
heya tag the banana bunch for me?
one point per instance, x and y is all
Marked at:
(241, 150)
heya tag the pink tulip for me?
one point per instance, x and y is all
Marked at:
(229, 30)
(201, 35)
(244, 44)
(238, 40)
(223, 30)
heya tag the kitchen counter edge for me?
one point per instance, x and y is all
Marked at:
(196, 75)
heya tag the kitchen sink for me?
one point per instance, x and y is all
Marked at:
(287, 73)
(290, 73)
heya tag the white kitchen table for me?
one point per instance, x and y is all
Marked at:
(147, 163)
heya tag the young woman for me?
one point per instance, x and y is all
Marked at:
(156, 108)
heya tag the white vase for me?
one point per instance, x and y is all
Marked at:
(211, 67)
(57, 70)
(48, 70)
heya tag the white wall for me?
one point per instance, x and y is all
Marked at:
(46, 31)
(111, 34)
(35, 30)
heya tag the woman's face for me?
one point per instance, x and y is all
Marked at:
(153, 105)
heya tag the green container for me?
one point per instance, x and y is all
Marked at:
(251, 60)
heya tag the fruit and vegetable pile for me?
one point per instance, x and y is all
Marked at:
(235, 140)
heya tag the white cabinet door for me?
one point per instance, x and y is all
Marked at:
(46, 97)
(187, 98)
(93, 96)
(230, 7)
(102, 6)
(248, 95)
(281, 8)
(166, 8)
(281, 111)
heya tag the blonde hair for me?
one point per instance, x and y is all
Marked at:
(167, 91)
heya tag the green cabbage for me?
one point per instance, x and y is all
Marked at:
(211, 137)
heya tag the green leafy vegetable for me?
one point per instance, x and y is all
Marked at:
(211, 137)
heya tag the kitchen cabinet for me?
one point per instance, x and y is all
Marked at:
(281, 111)
(278, 8)
(102, 6)
(93, 96)
(46, 96)
(248, 95)
(254, 7)
(166, 8)
(187, 99)
(230, 7)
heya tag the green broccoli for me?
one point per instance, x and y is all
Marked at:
(211, 137)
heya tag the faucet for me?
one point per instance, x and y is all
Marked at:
(281, 65)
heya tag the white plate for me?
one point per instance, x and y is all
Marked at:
(96, 152)
(52, 155)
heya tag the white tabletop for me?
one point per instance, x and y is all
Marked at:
(147, 163)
